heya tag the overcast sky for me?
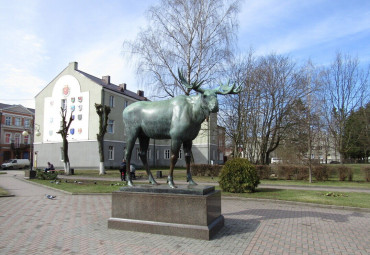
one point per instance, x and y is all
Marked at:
(39, 38)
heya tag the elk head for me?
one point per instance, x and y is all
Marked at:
(209, 96)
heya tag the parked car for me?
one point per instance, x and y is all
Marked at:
(16, 164)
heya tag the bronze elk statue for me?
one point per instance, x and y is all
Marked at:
(178, 119)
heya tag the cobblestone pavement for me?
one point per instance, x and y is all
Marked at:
(77, 224)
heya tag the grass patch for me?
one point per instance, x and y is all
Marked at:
(352, 199)
(82, 186)
(3, 192)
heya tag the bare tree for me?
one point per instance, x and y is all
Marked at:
(196, 36)
(346, 86)
(259, 115)
(103, 112)
(64, 128)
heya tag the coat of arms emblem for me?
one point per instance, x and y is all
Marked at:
(73, 99)
(66, 90)
(80, 99)
(73, 108)
(80, 107)
(79, 117)
(80, 130)
(72, 131)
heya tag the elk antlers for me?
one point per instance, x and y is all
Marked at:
(193, 85)
(224, 89)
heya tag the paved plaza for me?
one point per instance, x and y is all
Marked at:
(77, 224)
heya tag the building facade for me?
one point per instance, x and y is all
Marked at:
(78, 92)
(15, 119)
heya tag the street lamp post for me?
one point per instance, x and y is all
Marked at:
(37, 133)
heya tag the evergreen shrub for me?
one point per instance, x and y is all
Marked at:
(239, 176)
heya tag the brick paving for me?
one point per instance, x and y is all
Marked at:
(77, 224)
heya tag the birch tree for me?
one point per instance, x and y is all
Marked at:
(196, 36)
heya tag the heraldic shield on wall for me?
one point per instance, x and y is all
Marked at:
(67, 94)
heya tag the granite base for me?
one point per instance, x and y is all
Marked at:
(187, 211)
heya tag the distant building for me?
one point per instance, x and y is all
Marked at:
(14, 120)
(78, 92)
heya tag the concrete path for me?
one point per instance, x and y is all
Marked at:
(77, 224)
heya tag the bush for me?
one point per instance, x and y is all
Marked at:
(263, 171)
(321, 172)
(46, 176)
(205, 170)
(344, 172)
(239, 176)
(290, 172)
(366, 171)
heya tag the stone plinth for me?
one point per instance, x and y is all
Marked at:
(187, 211)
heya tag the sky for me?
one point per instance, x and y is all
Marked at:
(39, 38)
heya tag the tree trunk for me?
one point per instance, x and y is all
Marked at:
(101, 168)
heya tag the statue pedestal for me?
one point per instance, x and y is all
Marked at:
(189, 210)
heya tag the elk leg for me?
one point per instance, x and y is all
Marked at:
(130, 146)
(175, 148)
(187, 151)
(144, 144)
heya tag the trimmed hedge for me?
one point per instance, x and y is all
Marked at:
(205, 170)
(292, 172)
(366, 171)
(46, 176)
(321, 172)
(263, 171)
(239, 176)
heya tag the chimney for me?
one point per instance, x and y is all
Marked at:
(122, 86)
(73, 65)
(106, 80)
(140, 93)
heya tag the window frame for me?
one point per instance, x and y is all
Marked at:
(110, 127)
(110, 152)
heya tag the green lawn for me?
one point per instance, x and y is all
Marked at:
(352, 199)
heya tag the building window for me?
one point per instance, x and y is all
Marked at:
(180, 154)
(111, 101)
(17, 122)
(63, 104)
(125, 104)
(157, 152)
(17, 140)
(111, 153)
(26, 139)
(8, 138)
(167, 154)
(8, 120)
(111, 126)
(26, 123)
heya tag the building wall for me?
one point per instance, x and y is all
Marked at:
(83, 147)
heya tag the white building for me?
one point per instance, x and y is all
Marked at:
(78, 92)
